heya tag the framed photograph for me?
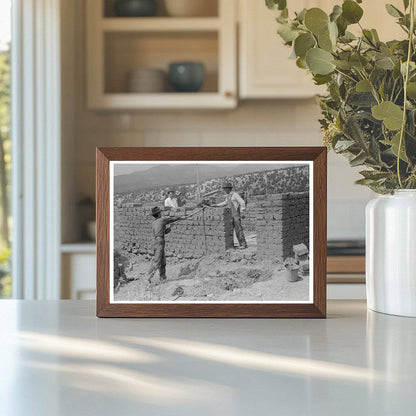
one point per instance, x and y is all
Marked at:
(211, 232)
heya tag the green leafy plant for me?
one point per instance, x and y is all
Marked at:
(369, 113)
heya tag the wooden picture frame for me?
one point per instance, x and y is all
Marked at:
(316, 308)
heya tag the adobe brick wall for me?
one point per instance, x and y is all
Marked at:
(132, 227)
(279, 220)
(282, 220)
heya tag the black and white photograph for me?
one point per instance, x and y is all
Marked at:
(218, 232)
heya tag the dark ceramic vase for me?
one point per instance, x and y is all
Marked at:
(186, 76)
(135, 8)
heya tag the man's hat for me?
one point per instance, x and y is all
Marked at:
(156, 210)
(227, 185)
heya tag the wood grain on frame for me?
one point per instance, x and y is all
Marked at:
(317, 309)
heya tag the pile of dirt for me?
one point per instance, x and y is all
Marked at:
(235, 275)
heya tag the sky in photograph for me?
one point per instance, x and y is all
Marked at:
(127, 168)
(5, 20)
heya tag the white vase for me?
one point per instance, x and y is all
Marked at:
(391, 253)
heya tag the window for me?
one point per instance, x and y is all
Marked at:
(5, 145)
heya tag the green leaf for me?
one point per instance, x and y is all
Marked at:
(374, 175)
(374, 150)
(358, 61)
(354, 131)
(363, 86)
(336, 12)
(375, 35)
(333, 32)
(385, 63)
(327, 40)
(343, 65)
(391, 114)
(342, 25)
(364, 181)
(286, 32)
(348, 37)
(358, 160)
(301, 63)
(368, 36)
(284, 14)
(361, 99)
(393, 11)
(394, 145)
(283, 17)
(351, 11)
(319, 61)
(343, 145)
(276, 4)
(412, 67)
(303, 43)
(300, 17)
(316, 20)
(406, 4)
(325, 43)
(411, 90)
(321, 79)
(382, 88)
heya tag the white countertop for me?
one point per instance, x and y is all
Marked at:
(57, 359)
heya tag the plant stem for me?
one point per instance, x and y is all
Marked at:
(345, 75)
(406, 80)
(373, 89)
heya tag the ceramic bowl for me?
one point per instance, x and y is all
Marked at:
(136, 8)
(186, 76)
(147, 80)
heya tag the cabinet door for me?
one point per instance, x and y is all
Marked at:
(265, 68)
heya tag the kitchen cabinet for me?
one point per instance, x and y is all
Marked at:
(116, 46)
(265, 70)
(78, 262)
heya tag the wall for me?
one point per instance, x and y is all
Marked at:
(203, 233)
(280, 222)
(259, 123)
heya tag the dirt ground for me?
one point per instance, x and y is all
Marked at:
(235, 275)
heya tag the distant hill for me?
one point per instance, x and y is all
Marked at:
(273, 181)
(167, 175)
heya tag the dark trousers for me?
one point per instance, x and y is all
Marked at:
(159, 260)
(239, 230)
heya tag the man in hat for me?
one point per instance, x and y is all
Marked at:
(171, 201)
(159, 230)
(237, 207)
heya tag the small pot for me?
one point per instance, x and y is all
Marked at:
(136, 8)
(191, 8)
(292, 274)
(186, 76)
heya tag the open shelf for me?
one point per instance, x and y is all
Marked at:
(80, 247)
(160, 24)
(127, 51)
(116, 46)
(211, 9)
(194, 101)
